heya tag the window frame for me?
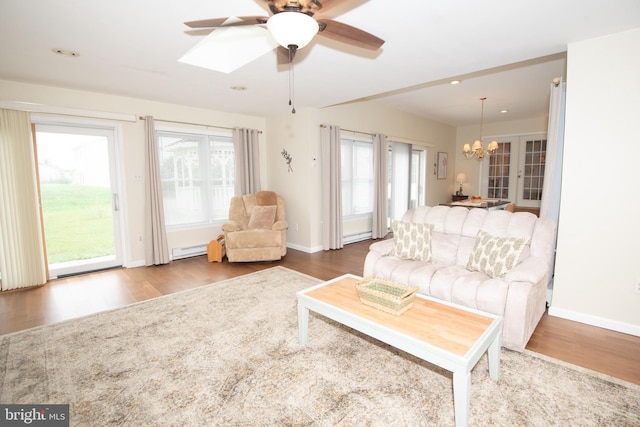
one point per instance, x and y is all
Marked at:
(360, 141)
(205, 151)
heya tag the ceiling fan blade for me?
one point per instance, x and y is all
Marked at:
(346, 33)
(200, 31)
(232, 21)
(328, 4)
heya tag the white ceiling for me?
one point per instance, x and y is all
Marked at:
(505, 50)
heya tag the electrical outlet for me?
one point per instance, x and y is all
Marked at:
(637, 286)
(140, 238)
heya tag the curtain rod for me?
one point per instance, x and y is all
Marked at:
(354, 131)
(392, 138)
(190, 123)
(31, 107)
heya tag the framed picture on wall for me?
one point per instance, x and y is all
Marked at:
(443, 159)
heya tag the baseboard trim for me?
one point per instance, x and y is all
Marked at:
(304, 248)
(134, 264)
(299, 248)
(600, 322)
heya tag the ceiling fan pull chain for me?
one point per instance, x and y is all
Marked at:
(292, 50)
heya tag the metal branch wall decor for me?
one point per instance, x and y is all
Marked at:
(288, 159)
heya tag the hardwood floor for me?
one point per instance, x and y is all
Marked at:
(609, 352)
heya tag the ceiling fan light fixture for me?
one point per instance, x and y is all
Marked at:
(292, 28)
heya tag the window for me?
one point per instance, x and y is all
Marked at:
(197, 174)
(357, 176)
(406, 166)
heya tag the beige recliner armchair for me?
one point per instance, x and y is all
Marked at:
(257, 228)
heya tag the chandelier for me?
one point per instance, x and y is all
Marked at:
(476, 149)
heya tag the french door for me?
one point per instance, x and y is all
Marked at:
(79, 197)
(515, 171)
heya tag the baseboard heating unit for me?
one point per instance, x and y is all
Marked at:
(179, 253)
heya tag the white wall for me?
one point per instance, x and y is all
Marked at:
(598, 257)
(132, 145)
(299, 134)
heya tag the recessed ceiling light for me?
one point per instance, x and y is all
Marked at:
(504, 111)
(455, 82)
(64, 52)
(241, 88)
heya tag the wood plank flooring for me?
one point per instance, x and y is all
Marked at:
(601, 350)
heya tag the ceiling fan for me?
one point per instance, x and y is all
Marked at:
(293, 26)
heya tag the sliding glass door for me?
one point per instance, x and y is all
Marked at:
(407, 178)
(79, 200)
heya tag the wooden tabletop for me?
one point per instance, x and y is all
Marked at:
(449, 328)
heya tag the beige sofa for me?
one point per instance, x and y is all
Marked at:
(257, 228)
(461, 267)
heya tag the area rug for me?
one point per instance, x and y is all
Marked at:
(227, 354)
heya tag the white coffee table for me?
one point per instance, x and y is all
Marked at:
(448, 335)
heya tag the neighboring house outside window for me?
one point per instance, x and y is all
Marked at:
(197, 174)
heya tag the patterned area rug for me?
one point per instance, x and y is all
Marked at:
(227, 354)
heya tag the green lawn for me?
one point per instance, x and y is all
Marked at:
(77, 222)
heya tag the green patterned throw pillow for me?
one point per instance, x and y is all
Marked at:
(412, 241)
(495, 256)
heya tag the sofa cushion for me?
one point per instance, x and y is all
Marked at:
(266, 198)
(493, 255)
(444, 247)
(444, 279)
(262, 217)
(257, 239)
(411, 240)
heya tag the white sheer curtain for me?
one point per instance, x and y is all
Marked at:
(22, 258)
(331, 187)
(156, 248)
(550, 203)
(247, 161)
(401, 180)
(380, 175)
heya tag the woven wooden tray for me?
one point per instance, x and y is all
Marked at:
(385, 295)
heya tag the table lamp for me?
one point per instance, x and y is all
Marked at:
(460, 178)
